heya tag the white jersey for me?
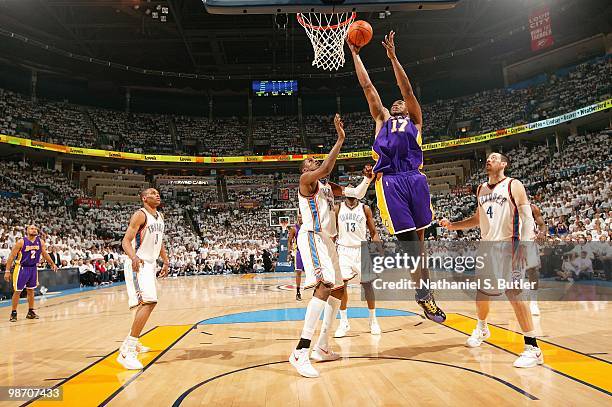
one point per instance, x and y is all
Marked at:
(499, 219)
(317, 211)
(351, 225)
(148, 240)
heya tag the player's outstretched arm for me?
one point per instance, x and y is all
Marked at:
(414, 108)
(11, 258)
(469, 223)
(310, 177)
(377, 109)
(45, 254)
(137, 220)
(360, 190)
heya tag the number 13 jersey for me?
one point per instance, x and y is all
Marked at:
(351, 225)
(499, 219)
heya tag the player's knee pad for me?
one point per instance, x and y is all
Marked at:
(409, 236)
(409, 243)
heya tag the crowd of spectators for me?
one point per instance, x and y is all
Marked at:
(277, 135)
(558, 93)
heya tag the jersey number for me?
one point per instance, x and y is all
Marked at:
(33, 254)
(490, 212)
(156, 238)
(403, 123)
(350, 227)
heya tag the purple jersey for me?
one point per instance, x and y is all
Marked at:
(397, 147)
(29, 256)
(299, 265)
(297, 231)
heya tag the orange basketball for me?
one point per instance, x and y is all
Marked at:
(359, 33)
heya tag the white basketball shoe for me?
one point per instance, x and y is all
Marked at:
(531, 357)
(343, 329)
(127, 357)
(478, 337)
(300, 360)
(323, 355)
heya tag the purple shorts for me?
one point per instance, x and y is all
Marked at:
(298, 261)
(25, 277)
(404, 201)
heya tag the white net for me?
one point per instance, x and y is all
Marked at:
(327, 33)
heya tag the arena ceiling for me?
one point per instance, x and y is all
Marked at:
(193, 41)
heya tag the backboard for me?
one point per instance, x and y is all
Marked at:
(321, 6)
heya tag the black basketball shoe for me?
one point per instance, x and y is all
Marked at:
(431, 310)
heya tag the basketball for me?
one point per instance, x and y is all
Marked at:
(360, 33)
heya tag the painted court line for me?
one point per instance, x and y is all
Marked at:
(585, 369)
(102, 380)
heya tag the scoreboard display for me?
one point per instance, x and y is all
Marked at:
(275, 88)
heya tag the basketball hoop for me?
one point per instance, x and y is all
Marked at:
(327, 33)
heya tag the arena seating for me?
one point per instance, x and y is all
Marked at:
(566, 90)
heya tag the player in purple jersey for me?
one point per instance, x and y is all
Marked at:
(299, 266)
(27, 252)
(402, 191)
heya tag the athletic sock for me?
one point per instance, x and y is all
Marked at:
(372, 314)
(344, 315)
(531, 340)
(331, 310)
(482, 324)
(313, 312)
(303, 343)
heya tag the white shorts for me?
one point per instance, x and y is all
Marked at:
(350, 264)
(498, 266)
(533, 256)
(141, 286)
(320, 260)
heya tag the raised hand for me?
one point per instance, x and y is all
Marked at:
(339, 124)
(354, 48)
(389, 44)
(367, 171)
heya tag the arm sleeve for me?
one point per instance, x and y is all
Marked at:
(527, 221)
(360, 191)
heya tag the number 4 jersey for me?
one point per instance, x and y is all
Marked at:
(499, 219)
(148, 240)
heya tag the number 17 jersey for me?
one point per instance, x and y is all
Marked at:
(397, 147)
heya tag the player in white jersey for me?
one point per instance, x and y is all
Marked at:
(143, 245)
(506, 222)
(319, 255)
(354, 219)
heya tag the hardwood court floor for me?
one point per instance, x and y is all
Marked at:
(225, 340)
